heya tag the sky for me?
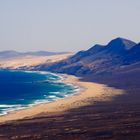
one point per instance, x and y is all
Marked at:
(66, 25)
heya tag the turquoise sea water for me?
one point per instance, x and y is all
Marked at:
(20, 89)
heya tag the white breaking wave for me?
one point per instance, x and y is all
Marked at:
(51, 96)
(8, 106)
(57, 92)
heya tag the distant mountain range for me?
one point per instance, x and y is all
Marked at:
(12, 54)
(117, 55)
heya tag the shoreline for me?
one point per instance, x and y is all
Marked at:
(88, 91)
(45, 100)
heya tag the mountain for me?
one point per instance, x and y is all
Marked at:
(133, 55)
(11, 54)
(99, 59)
(120, 44)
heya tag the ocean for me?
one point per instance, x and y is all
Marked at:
(21, 89)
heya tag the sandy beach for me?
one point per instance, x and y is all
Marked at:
(88, 92)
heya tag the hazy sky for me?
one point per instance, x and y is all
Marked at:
(66, 25)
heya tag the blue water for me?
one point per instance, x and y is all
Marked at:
(19, 89)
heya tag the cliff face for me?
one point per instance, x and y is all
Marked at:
(99, 59)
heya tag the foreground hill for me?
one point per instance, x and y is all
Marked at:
(99, 59)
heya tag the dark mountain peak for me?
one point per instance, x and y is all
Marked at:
(136, 48)
(96, 48)
(90, 51)
(120, 39)
(121, 43)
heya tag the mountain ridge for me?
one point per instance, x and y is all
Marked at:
(98, 59)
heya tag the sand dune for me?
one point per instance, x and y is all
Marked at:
(31, 60)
